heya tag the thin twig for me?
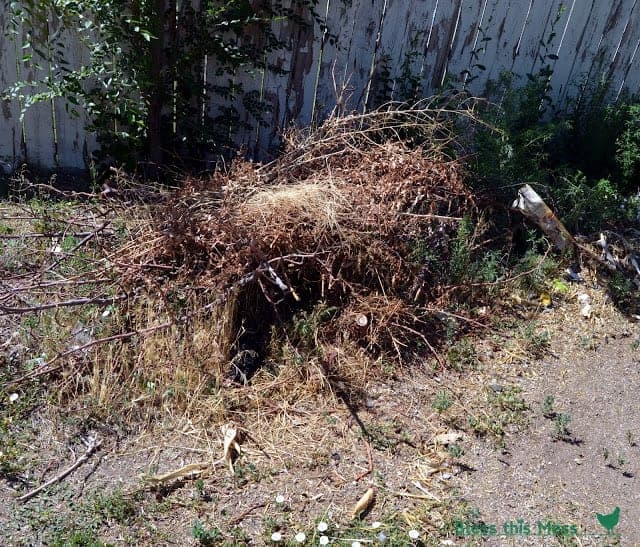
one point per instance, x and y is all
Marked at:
(64, 304)
(370, 469)
(424, 339)
(92, 447)
(50, 235)
(241, 516)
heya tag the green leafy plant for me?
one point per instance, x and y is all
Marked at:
(535, 342)
(205, 536)
(142, 86)
(442, 401)
(547, 407)
(462, 355)
(561, 426)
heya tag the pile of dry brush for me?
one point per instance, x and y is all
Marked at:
(350, 219)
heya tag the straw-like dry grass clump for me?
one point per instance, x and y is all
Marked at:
(350, 219)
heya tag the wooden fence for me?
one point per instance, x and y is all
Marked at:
(357, 52)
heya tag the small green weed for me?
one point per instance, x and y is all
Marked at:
(442, 401)
(507, 408)
(535, 343)
(114, 506)
(621, 289)
(631, 439)
(547, 407)
(561, 426)
(462, 355)
(205, 536)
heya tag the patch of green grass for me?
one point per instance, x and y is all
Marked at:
(455, 450)
(73, 523)
(506, 408)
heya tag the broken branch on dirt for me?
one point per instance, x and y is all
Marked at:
(92, 447)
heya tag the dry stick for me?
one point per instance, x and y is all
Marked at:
(76, 247)
(65, 304)
(370, 469)
(65, 282)
(92, 447)
(46, 235)
(47, 368)
(240, 517)
(424, 339)
(456, 316)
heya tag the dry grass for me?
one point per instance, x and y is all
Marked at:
(310, 262)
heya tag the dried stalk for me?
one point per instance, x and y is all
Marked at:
(97, 301)
(90, 450)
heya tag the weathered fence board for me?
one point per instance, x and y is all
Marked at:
(333, 77)
(626, 48)
(466, 35)
(356, 54)
(39, 121)
(10, 127)
(503, 24)
(73, 141)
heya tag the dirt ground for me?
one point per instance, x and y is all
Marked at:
(309, 461)
(540, 478)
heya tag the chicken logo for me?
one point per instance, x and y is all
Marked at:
(609, 521)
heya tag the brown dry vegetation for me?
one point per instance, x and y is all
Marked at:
(315, 302)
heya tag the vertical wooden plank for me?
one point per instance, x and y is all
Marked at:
(577, 39)
(540, 37)
(502, 28)
(324, 48)
(442, 35)
(333, 80)
(303, 73)
(603, 53)
(581, 44)
(71, 120)
(274, 86)
(360, 59)
(630, 81)
(10, 127)
(465, 41)
(38, 119)
(403, 41)
(625, 52)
